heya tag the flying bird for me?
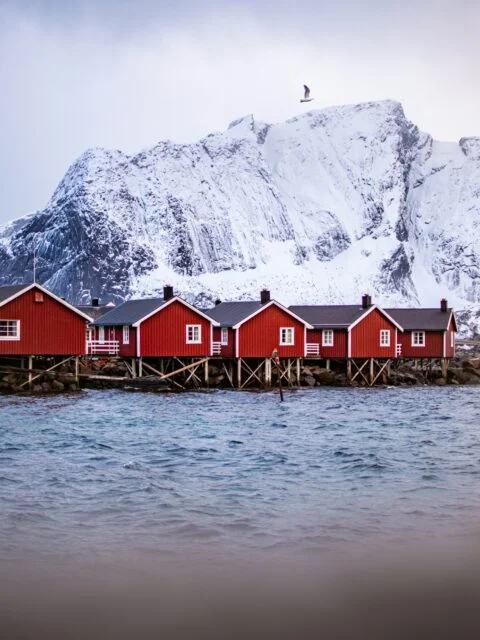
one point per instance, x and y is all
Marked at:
(306, 95)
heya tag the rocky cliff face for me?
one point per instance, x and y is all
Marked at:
(319, 209)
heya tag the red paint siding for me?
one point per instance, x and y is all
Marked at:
(164, 334)
(259, 336)
(450, 351)
(339, 348)
(228, 350)
(365, 337)
(433, 345)
(47, 328)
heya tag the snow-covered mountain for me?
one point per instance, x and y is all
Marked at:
(321, 208)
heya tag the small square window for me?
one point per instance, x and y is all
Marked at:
(194, 333)
(385, 337)
(9, 329)
(287, 335)
(126, 334)
(418, 338)
(327, 338)
(38, 296)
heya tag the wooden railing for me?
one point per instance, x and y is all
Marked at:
(216, 348)
(313, 349)
(107, 347)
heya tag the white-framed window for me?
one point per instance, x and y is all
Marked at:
(224, 335)
(418, 338)
(101, 334)
(126, 334)
(9, 329)
(327, 338)
(194, 333)
(452, 339)
(384, 337)
(287, 335)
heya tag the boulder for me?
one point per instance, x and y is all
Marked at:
(310, 381)
(324, 376)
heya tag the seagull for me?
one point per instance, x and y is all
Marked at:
(306, 96)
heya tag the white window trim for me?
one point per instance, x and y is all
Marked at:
(193, 326)
(126, 334)
(287, 329)
(417, 344)
(224, 335)
(101, 334)
(10, 338)
(326, 343)
(386, 332)
(452, 339)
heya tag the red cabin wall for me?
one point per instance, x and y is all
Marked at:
(260, 335)
(47, 328)
(164, 334)
(365, 337)
(339, 348)
(450, 351)
(433, 345)
(228, 350)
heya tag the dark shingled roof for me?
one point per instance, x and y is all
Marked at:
(93, 311)
(421, 319)
(333, 316)
(228, 314)
(130, 312)
(10, 290)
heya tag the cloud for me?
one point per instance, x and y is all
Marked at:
(75, 79)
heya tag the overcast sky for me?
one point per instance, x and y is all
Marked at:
(125, 74)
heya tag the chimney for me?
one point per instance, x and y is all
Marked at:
(167, 292)
(264, 296)
(443, 305)
(217, 302)
(95, 302)
(366, 301)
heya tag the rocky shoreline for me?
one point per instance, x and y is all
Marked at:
(462, 370)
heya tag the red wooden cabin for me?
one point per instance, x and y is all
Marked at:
(350, 331)
(428, 333)
(35, 322)
(155, 327)
(254, 329)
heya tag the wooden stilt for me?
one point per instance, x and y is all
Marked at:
(140, 367)
(30, 367)
(298, 372)
(327, 363)
(372, 361)
(134, 368)
(349, 369)
(77, 368)
(207, 381)
(268, 372)
(239, 373)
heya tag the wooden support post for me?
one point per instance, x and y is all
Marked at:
(268, 372)
(77, 368)
(207, 382)
(134, 368)
(140, 367)
(239, 372)
(444, 364)
(298, 372)
(30, 367)
(349, 369)
(327, 364)
(372, 375)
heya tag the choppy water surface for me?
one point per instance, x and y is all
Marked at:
(161, 473)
